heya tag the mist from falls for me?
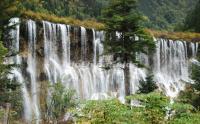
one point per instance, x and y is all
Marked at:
(170, 66)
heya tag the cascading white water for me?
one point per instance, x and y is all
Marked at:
(14, 35)
(83, 44)
(52, 63)
(65, 37)
(137, 74)
(90, 80)
(16, 73)
(32, 69)
(171, 65)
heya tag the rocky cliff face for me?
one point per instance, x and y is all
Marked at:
(51, 53)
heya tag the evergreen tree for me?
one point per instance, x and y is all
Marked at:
(8, 9)
(166, 14)
(61, 100)
(9, 92)
(148, 85)
(34, 5)
(196, 73)
(193, 19)
(123, 18)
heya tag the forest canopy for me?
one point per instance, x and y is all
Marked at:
(162, 14)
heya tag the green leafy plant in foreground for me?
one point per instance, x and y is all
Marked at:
(154, 109)
(61, 100)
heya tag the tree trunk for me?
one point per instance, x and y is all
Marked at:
(6, 114)
(127, 79)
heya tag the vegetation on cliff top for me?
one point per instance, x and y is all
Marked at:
(167, 14)
(154, 106)
(90, 11)
(193, 19)
(187, 36)
(64, 20)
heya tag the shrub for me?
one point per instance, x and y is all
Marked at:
(61, 100)
(148, 85)
(155, 108)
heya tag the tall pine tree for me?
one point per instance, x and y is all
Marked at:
(124, 35)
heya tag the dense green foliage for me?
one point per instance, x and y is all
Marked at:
(61, 100)
(81, 9)
(191, 94)
(162, 14)
(193, 19)
(8, 9)
(153, 110)
(122, 17)
(148, 85)
(124, 35)
(166, 14)
(9, 90)
(196, 76)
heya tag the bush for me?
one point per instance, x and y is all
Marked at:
(148, 85)
(196, 76)
(192, 93)
(108, 112)
(184, 114)
(155, 108)
(114, 112)
(61, 100)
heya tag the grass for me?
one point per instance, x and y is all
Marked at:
(186, 36)
(93, 24)
(63, 20)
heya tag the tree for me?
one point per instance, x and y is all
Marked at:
(191, 94)
(34, 5)
(196, 76)
(193, 19)
(9, 90)
(148, 85)
(123, 18)
(196, 71)
(61, 100)
(165, 14)
(8, 9)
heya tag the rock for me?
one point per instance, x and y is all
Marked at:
(136, 103)
(67, 119)
(40, 52)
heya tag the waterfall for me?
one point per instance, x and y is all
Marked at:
(26, 97)
(137, 74)
(171, 65)
(65, 38)
(52, 62)
(14, 35)
(85, 73)
(16, 73)
(90, 81)
(98, 46)
(83, 44)
(32, 69)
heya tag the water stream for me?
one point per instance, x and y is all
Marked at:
(170, 65)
